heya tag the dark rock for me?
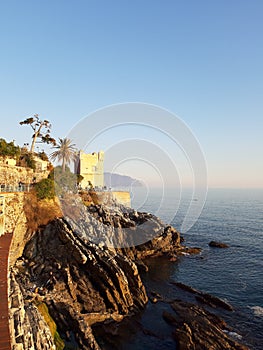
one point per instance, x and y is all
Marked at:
(215, 244)
(169, 318)
(149, 333)
(214, 301)
(141, 266)
(190, 250)
(172, 257)
(205, 298)
(196, 328)
(185, 287)
(202, 300)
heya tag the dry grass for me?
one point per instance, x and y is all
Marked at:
(89, 198)
(40, 212)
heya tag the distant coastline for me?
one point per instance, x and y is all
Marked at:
(114, 180)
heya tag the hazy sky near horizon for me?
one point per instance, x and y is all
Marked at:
(201, 60)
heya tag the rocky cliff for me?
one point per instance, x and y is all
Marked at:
(71, 266)
(80, 283)
(81, 271)
(121, 229)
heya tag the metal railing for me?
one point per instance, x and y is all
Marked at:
(17, 188)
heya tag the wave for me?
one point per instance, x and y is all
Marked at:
(233, 335)
(258, 310)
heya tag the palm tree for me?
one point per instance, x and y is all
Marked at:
(66, 152)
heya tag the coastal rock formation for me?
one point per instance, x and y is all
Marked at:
(80, 272)
(205, 298)
(80, 283)
(138, 235)
(198, 329)
(131, 233)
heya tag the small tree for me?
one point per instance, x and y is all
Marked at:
(29, 160)
(45, 189)
(42, 155)
(41, 129)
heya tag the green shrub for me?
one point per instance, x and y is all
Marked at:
(8, 149)
(29, 159)
(42, 155)
(45, 189)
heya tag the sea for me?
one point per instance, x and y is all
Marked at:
(235, 274)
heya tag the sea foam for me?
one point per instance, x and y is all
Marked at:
(233, 334)
(258, 310)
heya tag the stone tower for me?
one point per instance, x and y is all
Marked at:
(91, 167)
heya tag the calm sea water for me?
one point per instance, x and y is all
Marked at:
(234, 274)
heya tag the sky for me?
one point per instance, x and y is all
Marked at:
(200, 60)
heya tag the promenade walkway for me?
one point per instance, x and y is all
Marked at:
(5, 241)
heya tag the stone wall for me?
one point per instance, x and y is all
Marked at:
(15, 222)
(12, 175)
(13, 210)
(108, 197)
(123, 197)
(28, 329)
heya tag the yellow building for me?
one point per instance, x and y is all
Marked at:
(91, 167)
(8, 161)
(41, 165)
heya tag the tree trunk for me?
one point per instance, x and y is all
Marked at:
(33, 143)
(63, 165)
(35, 138)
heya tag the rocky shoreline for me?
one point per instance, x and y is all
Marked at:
(82, 272)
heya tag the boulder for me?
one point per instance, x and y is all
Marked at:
(215, 244)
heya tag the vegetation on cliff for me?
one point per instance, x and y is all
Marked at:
(59, 343)
(8, 149)
(27, 158)
(39, 212)
(57, 183)
(45, 189)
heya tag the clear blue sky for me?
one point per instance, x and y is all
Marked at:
(202, 60)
